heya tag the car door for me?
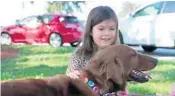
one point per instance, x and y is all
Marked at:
(18, 32)
(44, 28)
(142, 24)
(164, 26)
(31, 28)
(70, 27)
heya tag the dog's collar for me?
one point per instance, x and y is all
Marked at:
(94, 87)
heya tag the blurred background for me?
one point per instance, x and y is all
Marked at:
(20, 9)
(38, 37)
(144, 23)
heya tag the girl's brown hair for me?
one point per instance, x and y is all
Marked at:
(96, 16)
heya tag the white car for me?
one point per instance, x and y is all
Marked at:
(150, 26)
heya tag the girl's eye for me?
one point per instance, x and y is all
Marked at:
(101, 29)
(112, 28)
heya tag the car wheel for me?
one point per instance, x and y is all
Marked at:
(149, 48)
(121, 38)
(6, 39)
(75, 44)
(55, 40)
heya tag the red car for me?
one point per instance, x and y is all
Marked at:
(50, 28)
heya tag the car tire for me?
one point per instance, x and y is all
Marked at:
(6, 39)
(121, 38)
(55, 40)
(75, 44)
(149, 48)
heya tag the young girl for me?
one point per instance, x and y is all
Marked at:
(101, 30)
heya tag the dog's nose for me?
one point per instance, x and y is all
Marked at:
(154, 61)
(147, 62)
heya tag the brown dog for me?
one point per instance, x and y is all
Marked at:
(130, 59)
(108, 69)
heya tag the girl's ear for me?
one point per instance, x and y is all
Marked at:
(91, 33)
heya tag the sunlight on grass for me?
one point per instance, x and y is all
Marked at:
(36, 62)
(164, 67)
(151, 87)
(45, 59)
(162, 78)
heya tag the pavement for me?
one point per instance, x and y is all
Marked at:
(160, 53)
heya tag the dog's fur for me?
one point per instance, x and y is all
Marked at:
(109, 69)
(128, 57)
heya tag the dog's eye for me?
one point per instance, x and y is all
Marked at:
(133, 53)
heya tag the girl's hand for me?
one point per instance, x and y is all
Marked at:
(74, 74)
(120, 93)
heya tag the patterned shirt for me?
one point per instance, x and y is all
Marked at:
(77, 62)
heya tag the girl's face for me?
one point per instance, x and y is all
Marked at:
(104, 33)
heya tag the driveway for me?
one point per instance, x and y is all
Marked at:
(160, 53)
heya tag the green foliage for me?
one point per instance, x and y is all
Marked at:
(66, 7)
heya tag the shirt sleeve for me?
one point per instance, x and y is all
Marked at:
(74, 63)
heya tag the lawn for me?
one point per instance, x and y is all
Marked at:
(43, 61)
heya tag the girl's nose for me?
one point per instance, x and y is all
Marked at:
(107, 32)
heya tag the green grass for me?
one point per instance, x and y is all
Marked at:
(34, 61)
(43, 61)
(162, 79)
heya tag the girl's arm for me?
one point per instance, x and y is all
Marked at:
(74, 63)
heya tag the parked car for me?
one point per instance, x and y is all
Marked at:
(49, 28)
(150, 26)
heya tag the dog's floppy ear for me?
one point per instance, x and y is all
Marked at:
(95, 67)
(97, 70)
(115, 72)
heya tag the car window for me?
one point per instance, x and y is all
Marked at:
(169, 7)
(70, 19)
(152, 9)
(24, 21)
(47, 18)
(30, 22)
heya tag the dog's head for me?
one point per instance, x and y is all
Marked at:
(112, 65)
(131, 59)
